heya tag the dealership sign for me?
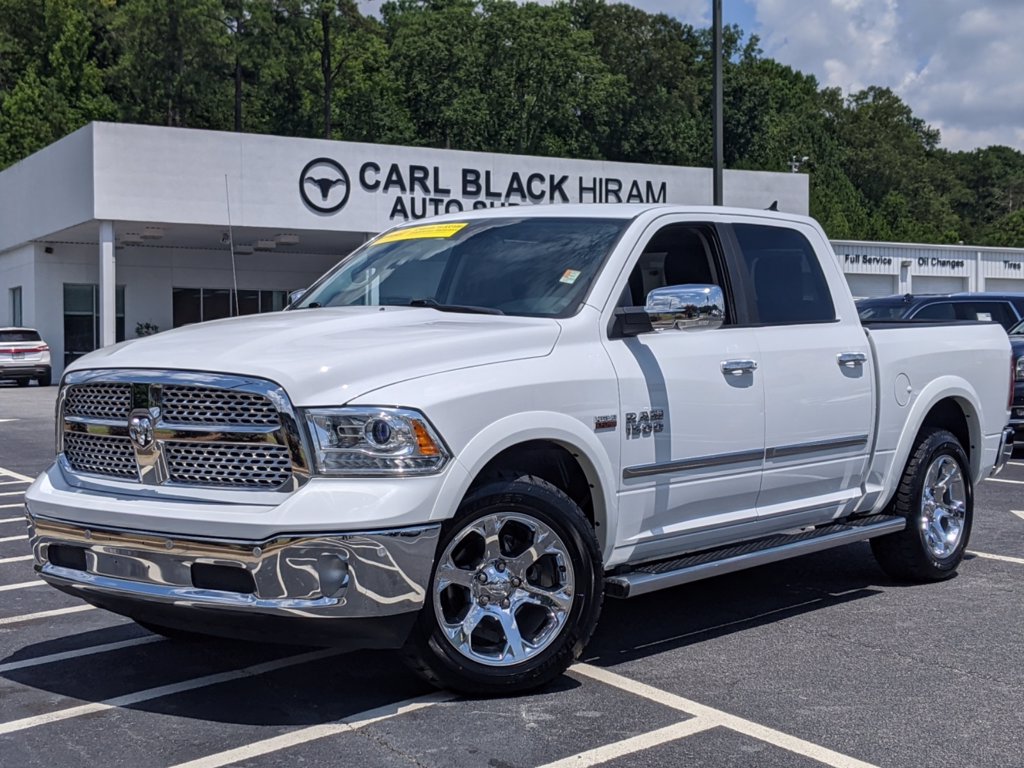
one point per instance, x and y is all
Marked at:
(417, 191)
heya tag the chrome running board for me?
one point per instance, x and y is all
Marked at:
(662, 574)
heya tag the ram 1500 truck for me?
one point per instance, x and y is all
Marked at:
(472, 429)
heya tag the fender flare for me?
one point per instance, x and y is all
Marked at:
(524, 427)
(943, 388)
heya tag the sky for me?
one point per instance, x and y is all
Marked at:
(958, 64)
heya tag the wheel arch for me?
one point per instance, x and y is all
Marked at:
(949, 403)
(552, 446)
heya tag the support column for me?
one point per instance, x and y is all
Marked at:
(108, 286)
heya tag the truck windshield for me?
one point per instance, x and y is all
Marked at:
(537, 266)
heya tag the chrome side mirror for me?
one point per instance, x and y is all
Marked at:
(294, 296)
(686, 307)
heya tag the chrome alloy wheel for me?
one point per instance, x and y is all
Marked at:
(943, 507)
(504, 588)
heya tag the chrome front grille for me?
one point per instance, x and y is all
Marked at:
(101, 455)
(231, 466)
(99, 401)
(204, 405)
(161, 428)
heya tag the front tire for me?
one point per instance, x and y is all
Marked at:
(515, 592)
(936, 497)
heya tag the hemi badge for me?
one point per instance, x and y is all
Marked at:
(605, 422)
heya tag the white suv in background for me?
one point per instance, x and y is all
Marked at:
(24, 356)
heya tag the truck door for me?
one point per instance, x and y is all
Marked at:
(817, 376)
(691, 413)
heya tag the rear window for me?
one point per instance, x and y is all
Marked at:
(868, 311)
(14, 336)
(941, 311)
(788, 282)
(987, 311)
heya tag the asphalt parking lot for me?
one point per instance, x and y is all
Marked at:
(820, 660)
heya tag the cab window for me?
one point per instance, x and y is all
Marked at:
(789, 286)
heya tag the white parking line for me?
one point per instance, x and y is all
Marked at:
(304, 735)
(719, 718)
(22, 585)
(1004, 480)
(149, 694)
(44, 614)
(15, 475)
(52, 658)
(13, 520)
(18, 559)
(636, 744)
(14, 482)
(14, 538)
(1018, 513)
(10, 506)
(12, 493)
(1004, 558)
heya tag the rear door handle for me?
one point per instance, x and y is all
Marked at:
(739, 367)
(851, 359)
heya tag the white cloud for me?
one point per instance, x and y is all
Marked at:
(957, 63)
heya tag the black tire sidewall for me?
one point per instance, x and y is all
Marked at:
(557, 511)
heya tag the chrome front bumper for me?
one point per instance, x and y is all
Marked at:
(1005, 451)
(370, 574)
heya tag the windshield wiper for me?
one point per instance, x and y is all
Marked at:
(433, 304)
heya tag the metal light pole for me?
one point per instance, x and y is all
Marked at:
(716, 110)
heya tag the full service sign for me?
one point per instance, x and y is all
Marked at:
(880, 264)
(418, 191)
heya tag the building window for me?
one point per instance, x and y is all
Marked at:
(197, 305)
(82, 319)
(16, 317)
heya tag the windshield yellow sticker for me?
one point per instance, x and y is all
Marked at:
(418, 233)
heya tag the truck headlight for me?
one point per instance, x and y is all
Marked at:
(368, 442)
(1019, 368)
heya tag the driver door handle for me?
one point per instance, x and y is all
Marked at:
(851, 359)
(739, 367)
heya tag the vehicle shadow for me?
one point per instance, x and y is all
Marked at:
(341, 685)
(739, 602)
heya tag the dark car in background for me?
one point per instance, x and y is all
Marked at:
(1007, 309)
(1017, 410)
(24, 356)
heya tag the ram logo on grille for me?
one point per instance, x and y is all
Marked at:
(140, 427)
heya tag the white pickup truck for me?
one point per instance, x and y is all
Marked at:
(472, 429)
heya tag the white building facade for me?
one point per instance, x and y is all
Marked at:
(118, 230)
(881, 269)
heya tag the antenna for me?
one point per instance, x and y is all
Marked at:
(231, 245)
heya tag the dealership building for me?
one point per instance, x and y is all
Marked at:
(117, 230)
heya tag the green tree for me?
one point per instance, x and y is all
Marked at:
(173, 58)
(60, 49)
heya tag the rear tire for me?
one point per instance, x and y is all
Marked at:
(22, 382)
(936, 497)
(515, 592)
(44, 380)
